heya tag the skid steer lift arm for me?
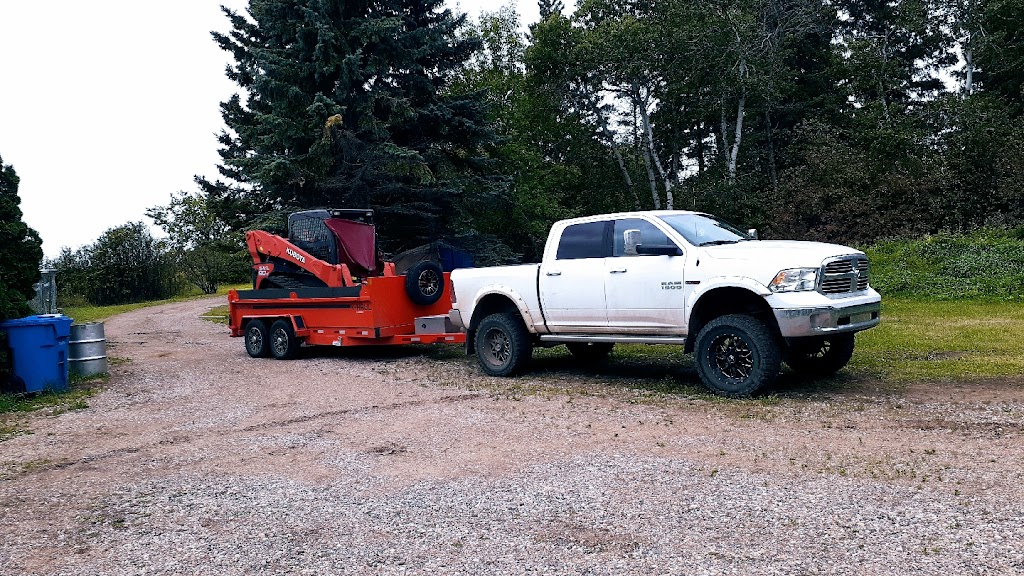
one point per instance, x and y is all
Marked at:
(264, 246)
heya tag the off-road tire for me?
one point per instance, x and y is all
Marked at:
(820, 356)
(424, 283)
(590, 352)
(257, 339)
(503, 346)
(737, 355)
(283, 343)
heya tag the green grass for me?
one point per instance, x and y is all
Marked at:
(82, 314)
(217, 314)
(985, 264)
(942, 340)
(13, 406)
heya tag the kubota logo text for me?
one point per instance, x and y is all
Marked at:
(295, 255)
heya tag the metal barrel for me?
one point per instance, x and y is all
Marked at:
(87, 349)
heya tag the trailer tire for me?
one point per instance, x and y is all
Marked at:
(283, 343)
(257, 339)
(503, 345)
(424, 283)
(736, 355)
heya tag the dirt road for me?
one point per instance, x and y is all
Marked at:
(196, 459)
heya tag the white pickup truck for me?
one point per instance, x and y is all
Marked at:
(742, 305)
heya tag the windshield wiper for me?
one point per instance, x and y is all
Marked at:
(718, 242)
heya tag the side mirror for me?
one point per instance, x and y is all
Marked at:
(752, 233)
(631, 239)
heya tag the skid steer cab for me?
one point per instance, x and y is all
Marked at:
(326, 284)
(332, 248)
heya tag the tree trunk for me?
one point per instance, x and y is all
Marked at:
(740, 111)
(969, 60)
(649, 139)
(651, 179)
(771, 154)
(616, 152)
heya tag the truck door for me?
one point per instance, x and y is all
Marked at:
(571, 280)
(644, 292)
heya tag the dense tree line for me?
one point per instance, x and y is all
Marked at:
(840, 120)
(846, 120)
(125, 264)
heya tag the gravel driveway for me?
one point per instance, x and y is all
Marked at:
(196, 459)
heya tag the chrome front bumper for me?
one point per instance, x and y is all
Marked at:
(801, 322)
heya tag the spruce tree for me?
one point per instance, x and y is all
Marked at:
(20, 250)
(347, 104)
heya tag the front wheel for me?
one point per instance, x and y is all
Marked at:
(737, 355)
(820, 356)
(503, 345)
(283, 343)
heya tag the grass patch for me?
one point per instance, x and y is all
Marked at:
(217, 315)
(13, 407)
(918, 340)
(82, 314)
(931, 340)
(985, 264)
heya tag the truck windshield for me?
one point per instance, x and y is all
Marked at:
(704, 230)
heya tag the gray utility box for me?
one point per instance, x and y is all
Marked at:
(439, 324)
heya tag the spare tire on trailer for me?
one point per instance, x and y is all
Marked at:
(424, 283)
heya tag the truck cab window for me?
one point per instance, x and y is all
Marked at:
(650, 235)
(582, 241)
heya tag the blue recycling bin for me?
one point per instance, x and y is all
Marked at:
(38, 351)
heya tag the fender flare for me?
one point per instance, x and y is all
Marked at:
(510, 294)
(717, 282)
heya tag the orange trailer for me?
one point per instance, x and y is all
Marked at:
(378, 311)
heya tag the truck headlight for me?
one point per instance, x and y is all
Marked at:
(794, 280)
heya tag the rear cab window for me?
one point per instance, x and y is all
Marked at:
(586, 240)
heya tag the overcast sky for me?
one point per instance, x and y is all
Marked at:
(107, 107)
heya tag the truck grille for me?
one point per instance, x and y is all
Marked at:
(844, 274)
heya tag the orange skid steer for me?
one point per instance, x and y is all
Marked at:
(327, 285)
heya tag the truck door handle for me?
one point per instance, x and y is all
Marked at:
(553, 273)
(618, 271)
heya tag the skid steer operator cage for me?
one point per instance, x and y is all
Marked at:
(338, 237)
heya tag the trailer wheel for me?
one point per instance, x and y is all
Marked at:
(257, 339)
(736, 355)
(503, 345)
(283, 343)
(424, 283)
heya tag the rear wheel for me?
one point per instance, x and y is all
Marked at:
(820, 356)
(424, 283)
(503, 345)
(283, 343)
(737, 355)
(257, 339)
(590, 352)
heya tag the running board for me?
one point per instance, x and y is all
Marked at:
(624, 339)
